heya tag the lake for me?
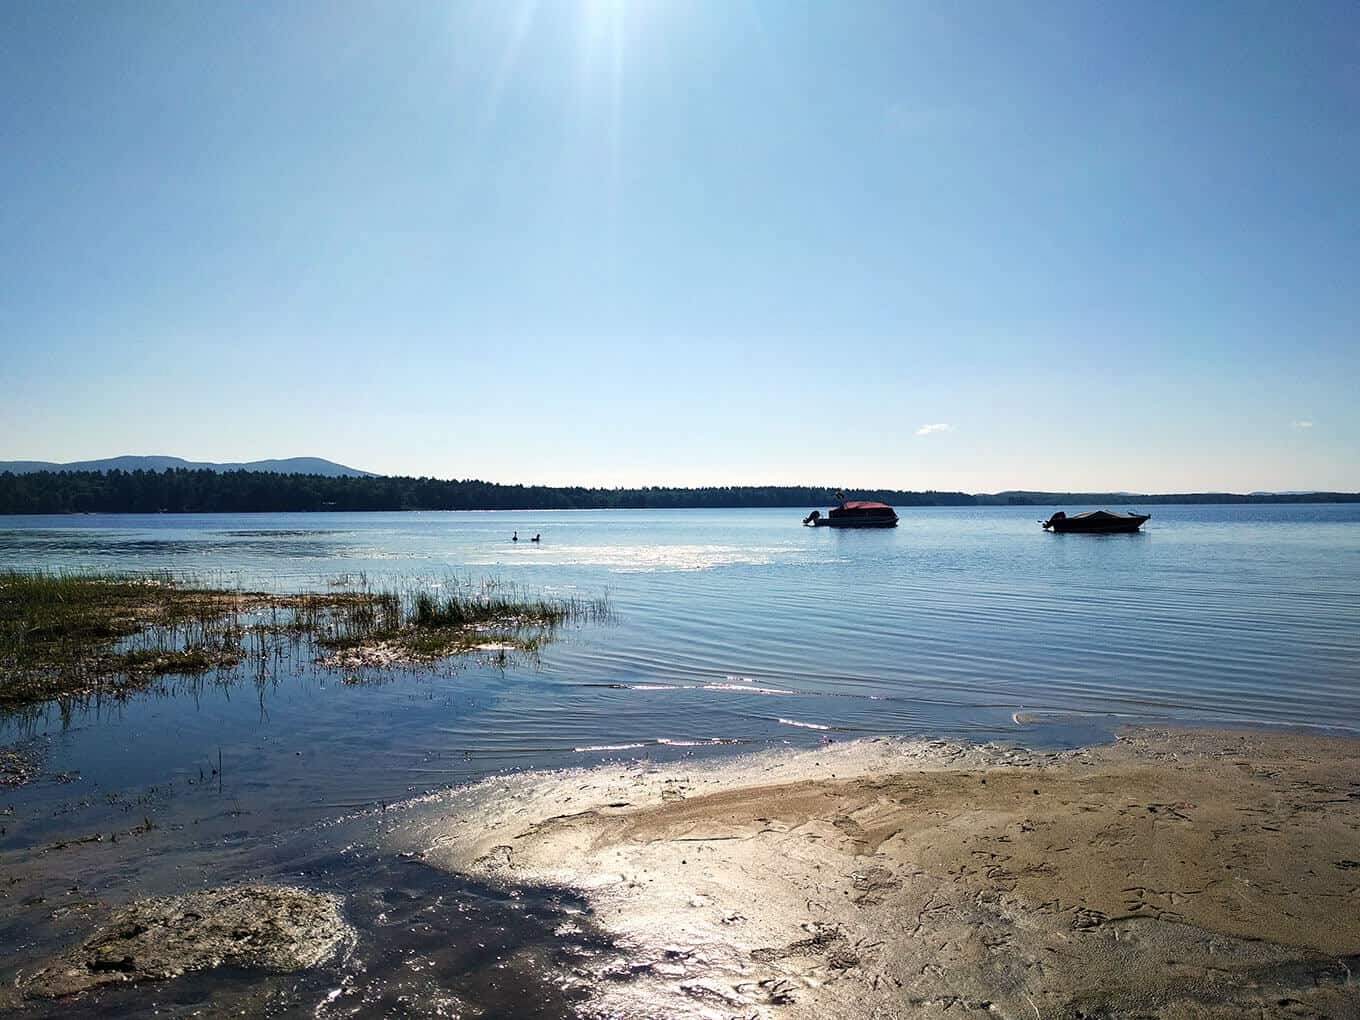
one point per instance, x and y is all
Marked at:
(731, 630)
(740, 626)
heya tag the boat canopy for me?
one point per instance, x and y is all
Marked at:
(1102, 515)
(863, 505)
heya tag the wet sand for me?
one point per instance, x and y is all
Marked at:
(1173, 873)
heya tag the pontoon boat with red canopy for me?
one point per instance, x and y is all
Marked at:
(854, 513)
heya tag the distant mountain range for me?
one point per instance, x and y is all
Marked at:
(286, 466)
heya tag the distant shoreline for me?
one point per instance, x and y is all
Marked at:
(202, 490)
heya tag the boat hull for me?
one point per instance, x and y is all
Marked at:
(1123, 526)
(826, 523)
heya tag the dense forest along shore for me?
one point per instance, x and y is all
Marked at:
(180, 490)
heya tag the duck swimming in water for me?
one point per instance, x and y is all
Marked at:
(515, 537)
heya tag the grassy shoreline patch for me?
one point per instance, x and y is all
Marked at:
(67, 635)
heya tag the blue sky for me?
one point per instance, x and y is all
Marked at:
(610, 242)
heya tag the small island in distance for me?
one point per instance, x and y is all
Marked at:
(311, 484)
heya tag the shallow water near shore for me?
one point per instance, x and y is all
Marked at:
(426, 943)
(732, 631)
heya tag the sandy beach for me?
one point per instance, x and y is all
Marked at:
(1172, 873)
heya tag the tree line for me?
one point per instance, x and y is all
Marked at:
(179, 490)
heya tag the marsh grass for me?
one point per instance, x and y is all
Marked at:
(423, 624)
(64, 635)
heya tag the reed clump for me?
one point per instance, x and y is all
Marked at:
(424, 624)
(65, 634)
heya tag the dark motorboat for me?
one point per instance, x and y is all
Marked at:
(854, 514)
(1095, 522)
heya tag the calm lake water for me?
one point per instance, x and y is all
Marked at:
(732, 630)
(739, 625)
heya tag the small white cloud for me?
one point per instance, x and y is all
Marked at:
(1303, 424)
(926, 430)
